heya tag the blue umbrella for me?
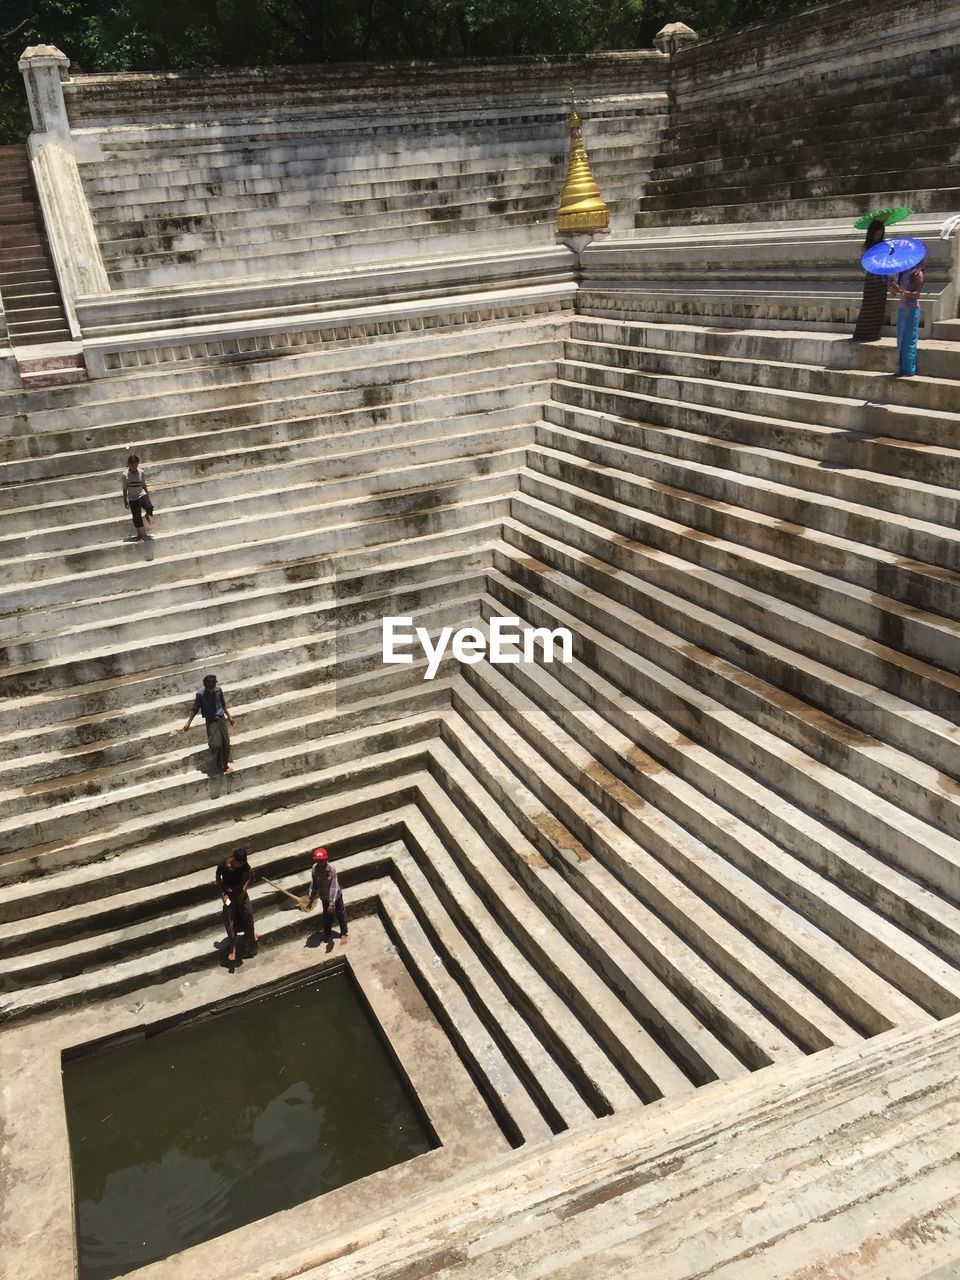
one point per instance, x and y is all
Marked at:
(890, 257)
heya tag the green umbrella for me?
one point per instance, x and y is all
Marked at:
(882, 215)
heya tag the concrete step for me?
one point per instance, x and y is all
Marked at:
(797, 857)
(836, 204)
(797, 813)
(496, 756)
(505, 726)
(796, 677)
(161, 398)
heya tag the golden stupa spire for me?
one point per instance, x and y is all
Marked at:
(581, 206)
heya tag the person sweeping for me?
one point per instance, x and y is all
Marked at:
(325, 887)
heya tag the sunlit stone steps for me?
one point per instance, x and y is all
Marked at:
(667, 812)
(870, 1152)
(660, 1045)
(196, 386)
(797, 563)
(782, 271)
(804, 673)
(229, 198)
(94, 756)
(669, 985)
(660, 714)
(697, 689)
(172, 909)
(295, 761)
(243, 422)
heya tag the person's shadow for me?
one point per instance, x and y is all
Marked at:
(317, 939)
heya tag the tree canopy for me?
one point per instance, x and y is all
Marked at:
(134, 35)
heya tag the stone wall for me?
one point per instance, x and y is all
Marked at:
(828, 113)
(142, 96)
(820, 48)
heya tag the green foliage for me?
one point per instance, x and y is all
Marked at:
(132, 35)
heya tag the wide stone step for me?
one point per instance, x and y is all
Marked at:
(781, 305)
(937, 139)
(866, 388)
(616, 1194)
(233, 208)
(842, 578)
(803, 676)
(351, 472)
(209, 527)
(836, 204)
(824, 350)
(176, 482)
(764, 189)
(881, 915)
(112, 732)
(277, 549)
(467, 144)
(883, 511)
(358, 246)
(249, 423)
(142, 387)
(911, 405)
(160, 812)
(514, 720)
(483, 740)
(690, 406)
(660, 1044)
(675, 674)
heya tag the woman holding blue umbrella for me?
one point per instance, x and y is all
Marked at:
(899, 261)
(907, 287)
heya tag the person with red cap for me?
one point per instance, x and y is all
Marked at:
(325, 886)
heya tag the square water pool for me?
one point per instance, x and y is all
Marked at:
(186, 1132)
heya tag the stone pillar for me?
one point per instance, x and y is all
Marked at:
(53, 153)
(673, 37)
(44, 68)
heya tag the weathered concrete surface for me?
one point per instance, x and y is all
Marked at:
(36, 1211)
(844, 1166)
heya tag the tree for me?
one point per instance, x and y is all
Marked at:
(135, 35)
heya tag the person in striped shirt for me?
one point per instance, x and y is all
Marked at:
(136, 499)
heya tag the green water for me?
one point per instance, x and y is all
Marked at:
(192, 1132)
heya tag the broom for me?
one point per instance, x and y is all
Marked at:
(302, 902)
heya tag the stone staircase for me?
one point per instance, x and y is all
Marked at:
(802, 275)
(241, 195)
(832, 144)
(28, 282)
(687, 908)
(732, 816)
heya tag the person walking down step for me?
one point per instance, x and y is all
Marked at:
(325, 887)
(907, 287)
(136, 499)
(233, 880)
(212, 705)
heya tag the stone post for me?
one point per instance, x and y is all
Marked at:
(54, 154)
(673, 37)
(44, 68)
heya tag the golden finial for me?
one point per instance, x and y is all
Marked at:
(581, 206)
